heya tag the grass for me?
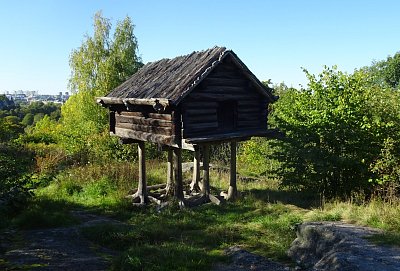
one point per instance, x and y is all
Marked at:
(262, 220)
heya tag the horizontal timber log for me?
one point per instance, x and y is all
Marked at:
(252, 116)
(149, 115)
(226, 74)
(199, 126)
(146, 128)
(143, 136)
(149, 101)
(227, 89)
(201, 111)
(200, 118)
(221, 96)
(142, 121)
(215, 81)
(252, 109)
(196, 104)
(249, 123)
(249, 102)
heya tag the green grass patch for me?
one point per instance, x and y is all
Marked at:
(194, 239)
(44, 213)
(262, 220)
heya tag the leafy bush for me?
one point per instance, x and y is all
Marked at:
(15, 166)
(334, 130)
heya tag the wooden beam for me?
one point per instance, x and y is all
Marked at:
(150, 101)
(147, 115)
(170, 173)
(178, 174)
(143, 136)
(146, 128)
(194, 185)
(205, 188)
(142, 186)
(142, 121)
(232, 191)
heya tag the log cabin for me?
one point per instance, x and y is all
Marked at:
(190, 102)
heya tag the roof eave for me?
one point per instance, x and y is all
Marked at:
(107, 101)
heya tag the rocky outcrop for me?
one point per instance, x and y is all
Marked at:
(339, 246)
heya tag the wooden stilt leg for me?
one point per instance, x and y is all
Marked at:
(170, 173)
(205, 189)
(232, 191)
(178, 174)
(142, 186)
(194, 185)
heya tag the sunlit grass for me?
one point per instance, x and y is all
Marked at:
(262, 220)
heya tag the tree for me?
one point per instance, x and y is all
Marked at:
(335, 129)
(386, 72)
(27, 120)
(100, 64)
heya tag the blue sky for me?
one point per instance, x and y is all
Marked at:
(273, 38)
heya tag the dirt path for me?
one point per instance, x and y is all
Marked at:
(57, 248)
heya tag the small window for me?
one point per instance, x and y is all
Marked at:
(227, 115)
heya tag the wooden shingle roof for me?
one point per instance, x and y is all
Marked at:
(170, 80)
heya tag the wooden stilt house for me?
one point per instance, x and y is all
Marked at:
(189, 102)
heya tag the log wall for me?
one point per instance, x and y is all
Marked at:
(224, 85)
(152, 127)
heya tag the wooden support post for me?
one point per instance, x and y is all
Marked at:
(232, 191)
(170, 173)
(194, 185)
(205, 188)
(178, 174)
(142, 186)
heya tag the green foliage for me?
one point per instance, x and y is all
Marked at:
(16, 164)
(28, 119)
(100, 64)
(10, 128)
(255, 157)
(334, 131)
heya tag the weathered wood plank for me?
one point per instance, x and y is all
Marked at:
(249, 116)
(178, 174)
(148, 115)
(170, 173)
(227, 89)
(200, 118)
(232, 190)
(142, 121)
(249, 123)
(249, 109)
(194, 185)
(142, 185)
(216, 81)
(199, 126)
(205, 188)
(196, 104)
(145, 128)
(221, 96)
(143, 136)
(201, 111)
(249, 102)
